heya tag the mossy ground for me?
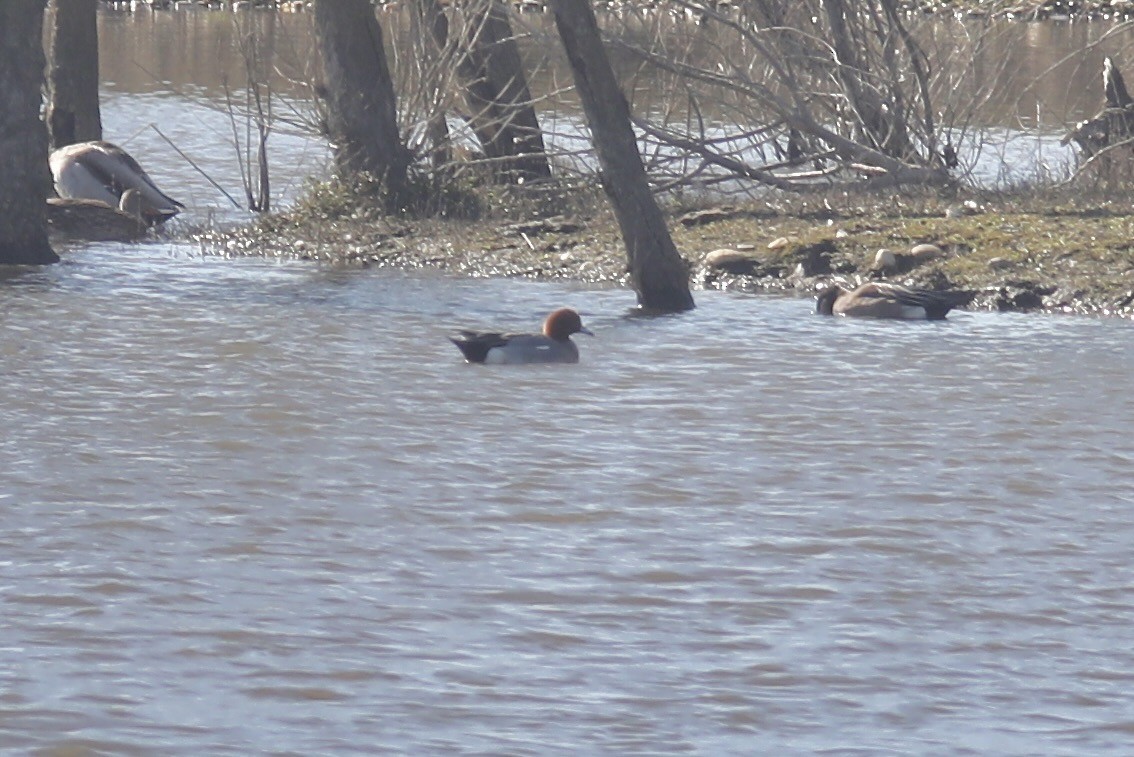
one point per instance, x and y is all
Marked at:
(1058, 253)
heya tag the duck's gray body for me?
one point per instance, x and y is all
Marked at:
(510, 349)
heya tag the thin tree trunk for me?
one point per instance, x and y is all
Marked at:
(359, 92)
(496, 88)
(72, 74)
(883, 127)
(23, 138)
(657, 271)
(496, 55)
(431, 16)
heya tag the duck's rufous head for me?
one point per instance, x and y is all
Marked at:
(562, 323)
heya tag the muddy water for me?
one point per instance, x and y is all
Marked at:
(253, 507)
(262, 508)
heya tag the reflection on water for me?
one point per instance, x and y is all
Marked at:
(205, 51)
(255, 507)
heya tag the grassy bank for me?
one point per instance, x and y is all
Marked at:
(1035, 252)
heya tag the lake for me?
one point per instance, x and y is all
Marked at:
(264, 507)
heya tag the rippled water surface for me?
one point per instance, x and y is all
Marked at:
(252, 507)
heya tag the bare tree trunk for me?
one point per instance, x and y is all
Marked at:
(882, 133)
(23, 138)
(496, 56)
(657, 271)
(72, 74)
(359, 92)
(496, 88)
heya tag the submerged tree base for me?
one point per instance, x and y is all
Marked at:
(1034, 252)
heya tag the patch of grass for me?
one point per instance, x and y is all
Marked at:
(1062, 248)
(327, 201)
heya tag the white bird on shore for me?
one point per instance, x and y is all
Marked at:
(103, 171)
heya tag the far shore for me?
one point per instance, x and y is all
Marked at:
(1037, 10)
(1026, 10)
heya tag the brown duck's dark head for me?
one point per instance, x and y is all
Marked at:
(825, 300)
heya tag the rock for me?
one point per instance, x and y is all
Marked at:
(735, 262)
(885, 261)
(925, 252)
(778, 243)
(891, 263)
(726, 256)
(806, 261)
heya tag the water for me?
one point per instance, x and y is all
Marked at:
(253, 507)
(259, 507)
(166, 132)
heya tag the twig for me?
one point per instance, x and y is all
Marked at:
(197, 167)
(244, 182)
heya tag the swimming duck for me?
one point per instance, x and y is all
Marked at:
(880, 300)
(103, 171)
(554, 345)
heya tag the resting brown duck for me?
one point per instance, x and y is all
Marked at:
(881, 300)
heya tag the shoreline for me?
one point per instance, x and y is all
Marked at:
(1028, 255)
